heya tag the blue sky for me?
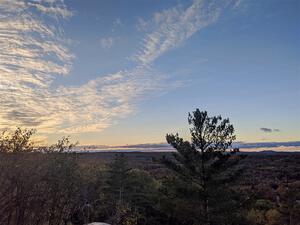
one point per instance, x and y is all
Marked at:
(128, 72)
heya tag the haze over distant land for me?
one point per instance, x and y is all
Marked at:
(116, 73)
(162, 147)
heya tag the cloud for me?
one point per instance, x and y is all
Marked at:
(57, 10)
(116, 23)
(97, 104)
(141, 24)
(107, 43)
(34, 52)
(269, 130)
(266, 130)
(173, 26)
(237, 4)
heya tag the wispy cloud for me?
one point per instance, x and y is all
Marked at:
(141, 24)
(107, 43)
(269, 130)
(97, 104)
(33, 52)
(237, 4)
(173, 26)
(56, 10)
(116, 23)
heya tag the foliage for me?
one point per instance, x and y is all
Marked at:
(204, 165)
(17, 141)
(36, 188)
(55, 186)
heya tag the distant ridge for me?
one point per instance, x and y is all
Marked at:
(266, 152)
(270, 152)
(262, 147)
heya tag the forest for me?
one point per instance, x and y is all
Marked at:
(203, 182)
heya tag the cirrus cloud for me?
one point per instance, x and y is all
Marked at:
(34, 52)
(173, 26)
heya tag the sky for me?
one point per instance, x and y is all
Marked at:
(128, 72)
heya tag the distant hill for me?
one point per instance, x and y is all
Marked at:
(271, 152)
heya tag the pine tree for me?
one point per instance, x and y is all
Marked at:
(205, 163)
(117, 190)
(118, 177)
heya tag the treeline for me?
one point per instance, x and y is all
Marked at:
(201, 184)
